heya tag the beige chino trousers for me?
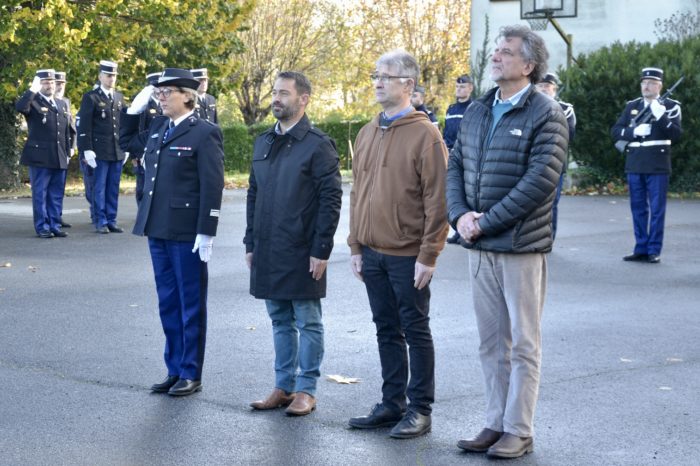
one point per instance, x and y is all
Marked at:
(508, 292)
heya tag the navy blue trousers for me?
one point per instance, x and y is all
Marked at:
(648, 203)
(400, 313)
(89, 183)
(181, 283)
(48, 187)
(555, 205)
(106, 192)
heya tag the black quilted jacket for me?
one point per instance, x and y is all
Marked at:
(512, 180)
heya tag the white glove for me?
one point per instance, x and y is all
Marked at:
(125, 158)
(36, 85)
(72, 153)
(204, 243)
(138, 105)
(657, 109)
(642, 130)
(90, 157)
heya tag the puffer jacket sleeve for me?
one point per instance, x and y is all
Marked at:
(544, 167)
(457, 204)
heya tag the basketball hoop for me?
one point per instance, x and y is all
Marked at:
(538, 24)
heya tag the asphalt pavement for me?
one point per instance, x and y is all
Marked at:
(80, 343)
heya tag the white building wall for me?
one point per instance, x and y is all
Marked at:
(599, 23)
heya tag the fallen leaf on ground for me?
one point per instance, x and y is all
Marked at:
(133, 305)
(674, 360)
(251, 327)
(625, 360)
(342, 379)
(665, 388)
(31, 268)
(6, 264)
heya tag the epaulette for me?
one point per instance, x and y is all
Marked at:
(634, 100)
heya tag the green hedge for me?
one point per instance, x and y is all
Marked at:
(606, 79)
(238, 141)
(9, 154)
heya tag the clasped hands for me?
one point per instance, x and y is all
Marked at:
(468, 226)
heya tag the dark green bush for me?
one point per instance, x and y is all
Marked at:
(606, 79)
(238, 141)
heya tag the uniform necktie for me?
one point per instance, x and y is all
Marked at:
(168, 130)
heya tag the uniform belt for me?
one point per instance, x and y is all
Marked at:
(664, 142)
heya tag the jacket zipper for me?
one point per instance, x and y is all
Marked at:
(371, 189)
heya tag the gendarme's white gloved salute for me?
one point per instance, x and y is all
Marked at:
(90, 157)
(657, 109)
(138, 105)
(642, 130)
(36, 85)
(204, 243)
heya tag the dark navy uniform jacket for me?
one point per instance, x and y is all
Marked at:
(49, 141)
(184, 176)
(205, 108)
(431, 115)
(453, 118)
(98, 127)
(650, 154)
(146, 118)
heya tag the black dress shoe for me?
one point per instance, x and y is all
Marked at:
(45, 234)
(654, 259)
(102, 230)
(114, 228)
(412, 425)
(165, 385)
(185, 387)
(636, 258)
(380, 416)
(65, 224)
(59, 233)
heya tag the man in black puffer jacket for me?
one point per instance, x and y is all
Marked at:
(502, 175)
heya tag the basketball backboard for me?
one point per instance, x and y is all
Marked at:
(534, 9)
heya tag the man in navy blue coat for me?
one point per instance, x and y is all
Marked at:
(648, 162)
(179, 213)
(98, 140)
(293, 208)
(46, 151)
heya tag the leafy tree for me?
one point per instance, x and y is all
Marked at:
(299, 35)
(141, 36)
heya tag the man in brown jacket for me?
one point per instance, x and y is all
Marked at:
(397, 230)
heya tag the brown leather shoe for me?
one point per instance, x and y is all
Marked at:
(277, 399)
(481, 442)
(302, 405)
(511, 446)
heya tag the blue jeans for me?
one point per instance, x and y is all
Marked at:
(297, 332)
(648, 203)
(400, 313)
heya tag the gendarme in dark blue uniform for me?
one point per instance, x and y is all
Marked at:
(648, 162)
(206, 104)
(46, 151)
(98, 137)
(184, 168)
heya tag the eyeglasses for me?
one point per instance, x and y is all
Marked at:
(385, 78)
(165, 92)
